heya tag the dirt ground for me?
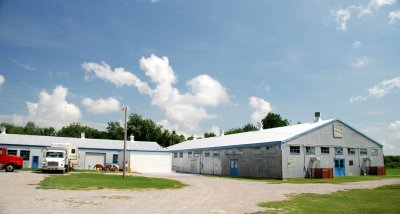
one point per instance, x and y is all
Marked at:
(18, 194)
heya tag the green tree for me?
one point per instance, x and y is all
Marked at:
(115, 131)
(143, 129)
(31, 129)
(246, 128)
(75, 130)
(274, 120)
(13, 129)
(209, 134)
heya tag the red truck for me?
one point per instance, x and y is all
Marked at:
(9, 162)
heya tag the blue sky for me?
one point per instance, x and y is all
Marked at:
(199, 66)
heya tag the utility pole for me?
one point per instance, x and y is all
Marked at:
(125, 109)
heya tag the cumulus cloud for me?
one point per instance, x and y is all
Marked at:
(2, 80)
(395, 127)
(380, 90)
(394, 16)
(261, 107)
(187, 109)
(118, 77)
(53, 109)
(101, 106)
(343, 15)
(360, 62)
(357, 44)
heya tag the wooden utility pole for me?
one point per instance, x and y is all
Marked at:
(125, 109)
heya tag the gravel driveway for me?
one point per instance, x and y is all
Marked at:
(18, 194)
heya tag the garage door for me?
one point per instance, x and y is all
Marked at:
(91, 159)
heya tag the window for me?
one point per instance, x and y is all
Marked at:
(374, 152)
(295, 150)
(25, 154)
(115, 158)
(175, 155)
(338, 151)
(12, 152)
(363, 151)
(337, 130)
(181, 154)
(270, 149)
(190, 154)
(351, 151)
(72, 151)
(257, 150)
(215, 154)
(351, 162)
(207, 154)
(310, 150)
(324, 150)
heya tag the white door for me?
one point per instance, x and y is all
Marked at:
(91, 159)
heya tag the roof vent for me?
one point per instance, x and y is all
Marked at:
(132, 138)
(259, 126)
(318, 117)
(222, 133)
(82, 135)
(3, 130)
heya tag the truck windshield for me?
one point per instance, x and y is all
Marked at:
(54, 154)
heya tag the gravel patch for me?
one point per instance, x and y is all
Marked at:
(203, 195)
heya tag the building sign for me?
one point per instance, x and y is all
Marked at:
(291, 162)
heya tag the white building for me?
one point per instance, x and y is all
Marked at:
(141, 156)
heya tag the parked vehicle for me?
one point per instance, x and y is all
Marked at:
(60, 157)
(9, 162)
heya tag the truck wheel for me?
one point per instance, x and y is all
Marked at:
(9, 168)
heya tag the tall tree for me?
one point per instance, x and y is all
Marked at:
(273, 120)
(115, 131)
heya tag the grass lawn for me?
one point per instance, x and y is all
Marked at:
(384, 199)
(90, 181)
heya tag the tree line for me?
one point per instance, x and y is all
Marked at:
(142, 130)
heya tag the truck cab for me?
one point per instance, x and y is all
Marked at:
(59, 157)
(9, 162)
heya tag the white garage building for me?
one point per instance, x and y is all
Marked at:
(141, 156)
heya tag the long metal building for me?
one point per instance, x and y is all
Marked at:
(284, 152)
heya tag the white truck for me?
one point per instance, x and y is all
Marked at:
(60, 157)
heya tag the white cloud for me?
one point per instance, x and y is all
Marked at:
(394, 16)
(119, 76)
(395, 127)
(101, 106)
(2, 80)
(262, 108)
(379, 90)
(360, 62)
(357, 44)
(343, 15)
(216, 130)
(13, 119)
(53, 109)
(186, 109)
(387, 135)
(24, 66)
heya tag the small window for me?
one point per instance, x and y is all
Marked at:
(12, 152)
(351, 162)
(181, 154)
(25, 154)
(115, 158)
(338, 151)
(295, 150)
(215, 154)
(363, 151)
(175, 155)
(72, 151)
(351, 151)
(270, 149)
(374, 152)
(324, 150)
(310, 150)
(190, 154)
(257, 150)
(207, 154)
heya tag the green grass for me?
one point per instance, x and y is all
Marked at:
(91, 181)
(384, 199)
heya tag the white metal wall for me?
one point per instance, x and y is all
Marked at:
(150, 162)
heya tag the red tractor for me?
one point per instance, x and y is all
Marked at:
(9, 162)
